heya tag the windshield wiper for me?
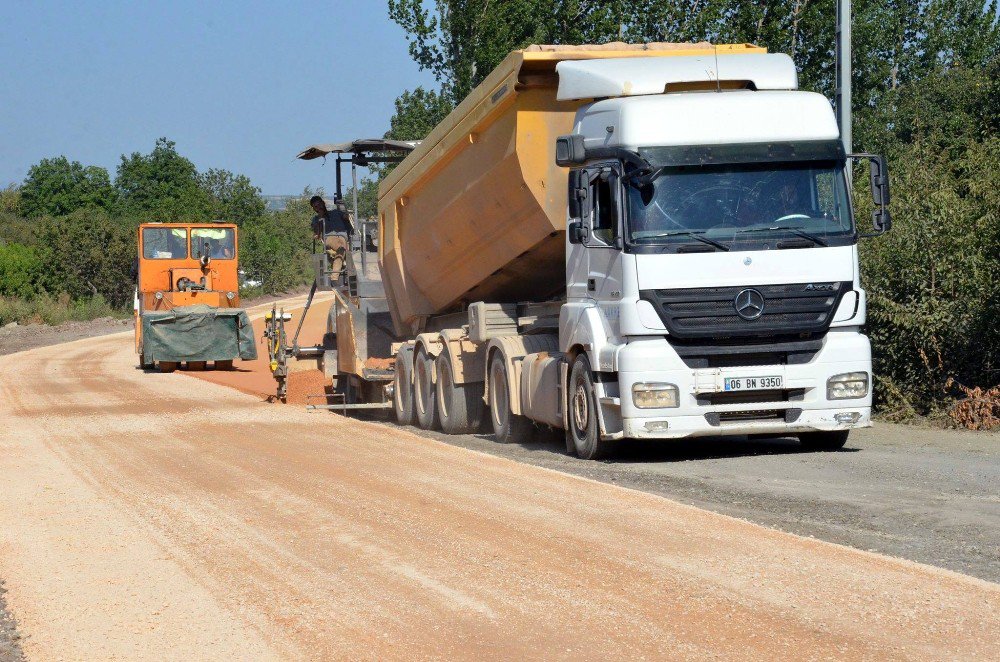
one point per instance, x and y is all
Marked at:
(694, 234)
(797, 231)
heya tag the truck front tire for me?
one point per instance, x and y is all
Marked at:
(508, 427)
(460, 406)
(582, 430)
(424, 398)
(402, 387)
(824, 441)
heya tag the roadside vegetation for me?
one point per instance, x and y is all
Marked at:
(68, 232)
(926, 93)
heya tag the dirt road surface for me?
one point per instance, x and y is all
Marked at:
(158, 516)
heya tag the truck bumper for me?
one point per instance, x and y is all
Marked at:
(705, 409)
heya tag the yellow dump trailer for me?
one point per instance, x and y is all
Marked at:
(477, 212)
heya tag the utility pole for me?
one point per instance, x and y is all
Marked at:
(842, 97)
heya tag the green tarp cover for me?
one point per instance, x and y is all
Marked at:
(197, 333)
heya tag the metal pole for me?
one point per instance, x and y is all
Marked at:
(843, 68)
(357, 218)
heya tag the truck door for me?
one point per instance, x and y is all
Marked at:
(594, 268)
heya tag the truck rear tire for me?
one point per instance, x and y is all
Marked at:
(508, 427)
(402, 387)
(424, 398)
(582, 430)
(460, 406)
(224, 365)
(824, 441)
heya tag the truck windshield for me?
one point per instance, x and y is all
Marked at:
(164, 243)
(216, 243)
(752, 206)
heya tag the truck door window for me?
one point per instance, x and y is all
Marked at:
(164, 243)
(217, 243)
(605, 212)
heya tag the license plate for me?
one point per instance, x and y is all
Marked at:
(751, 383)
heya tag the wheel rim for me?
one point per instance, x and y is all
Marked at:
(421, 390)
(398, 395)
(444, 388)
(581, 407)
(498, 394)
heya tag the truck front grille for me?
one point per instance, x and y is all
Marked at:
(798, 309)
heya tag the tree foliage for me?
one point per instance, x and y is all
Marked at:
(161, 186)
(276, 248)
(58, 186)
(88, 253)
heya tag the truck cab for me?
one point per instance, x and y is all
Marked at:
(712, 272)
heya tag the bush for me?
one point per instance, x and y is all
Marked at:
(20, 270)
(89, 253)
(934, 281)
(276, 248)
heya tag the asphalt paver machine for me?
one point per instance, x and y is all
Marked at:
(358, 319)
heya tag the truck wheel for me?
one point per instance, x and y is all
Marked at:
(424, 400)
(196, 366)
(168, 366)
(507, 426)
(583, 431)
(402, 387)
(224, 365)
(460, 406)
(824, 441)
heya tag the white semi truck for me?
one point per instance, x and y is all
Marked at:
(650, 242)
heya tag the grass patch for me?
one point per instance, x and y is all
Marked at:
(46, 309)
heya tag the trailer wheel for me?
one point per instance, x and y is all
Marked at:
(424, 398)
(402, 387)
(824, 441)
(507, 426)
(582, 430)
(460, 406)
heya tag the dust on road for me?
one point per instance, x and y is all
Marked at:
(154, 515)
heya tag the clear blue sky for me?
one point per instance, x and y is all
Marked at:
(237, 85)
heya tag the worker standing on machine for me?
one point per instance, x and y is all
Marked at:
(333, 228)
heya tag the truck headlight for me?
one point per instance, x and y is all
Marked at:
(847, 385)
(655, 396)
(230, 295)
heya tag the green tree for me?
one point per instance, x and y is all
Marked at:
(10, 200)
(461, 41)
(88, 253)
(161, 186)
(232, 198)
(58, 186)
(276, 248)
(417, 112)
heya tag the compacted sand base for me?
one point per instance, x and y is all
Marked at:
(148, 515)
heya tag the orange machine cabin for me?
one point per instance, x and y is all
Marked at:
(183, 264)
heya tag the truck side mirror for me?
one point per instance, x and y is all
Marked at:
(878, 178)
(570, 150)
(577, 232)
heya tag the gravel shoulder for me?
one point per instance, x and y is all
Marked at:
(10, 639)
(21, 337)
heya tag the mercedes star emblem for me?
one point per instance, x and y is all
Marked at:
(749, 304)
